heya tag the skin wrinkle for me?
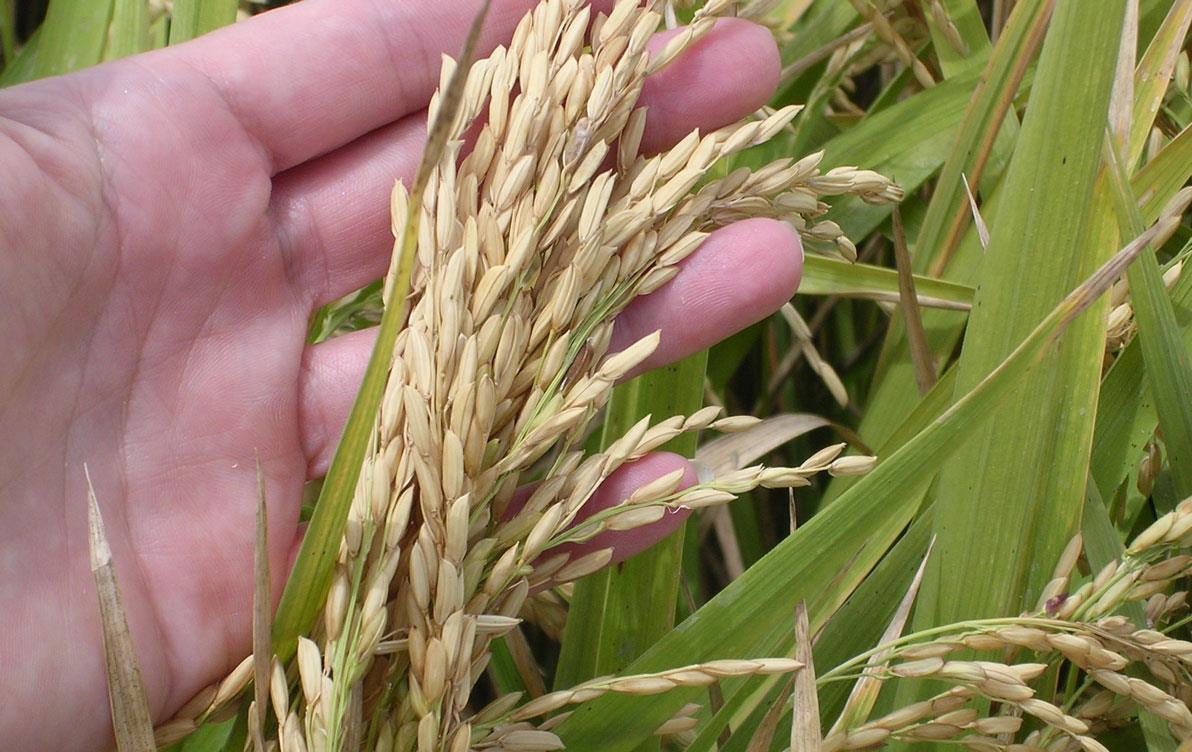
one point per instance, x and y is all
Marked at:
(169, 655)
(173, 652)
(268, 160)
(110, 202)
(391, 53)
(283, 220)
(267, 157)
(54, 180)
(54, 170)
(110, 199)
(9, 124)
(40, 461)
(321, 183)
(119, 534)
(230, 638)
(315, 441)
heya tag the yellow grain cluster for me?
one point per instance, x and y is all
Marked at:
(528, 246)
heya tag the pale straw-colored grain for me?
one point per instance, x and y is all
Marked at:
(527, 249)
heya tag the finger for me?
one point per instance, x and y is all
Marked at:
(332, 215)
(741, 274)
(312, 76)
(620, 486)
(333, 212)
(330, 376)
(728, 74)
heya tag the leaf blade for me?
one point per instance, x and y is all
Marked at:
(72, 36)
(988, 523)
(192, 18)
(839, 545)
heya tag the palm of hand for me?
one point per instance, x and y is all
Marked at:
(167, 356)
(170, 236)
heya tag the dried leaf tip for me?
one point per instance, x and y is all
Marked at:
(132, 724)
(805, 718)
(101, 552)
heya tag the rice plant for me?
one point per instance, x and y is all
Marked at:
(944, 496)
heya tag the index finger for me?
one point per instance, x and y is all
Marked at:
(312, 76)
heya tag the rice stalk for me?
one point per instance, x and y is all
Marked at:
(525, 249)
(1080, 629)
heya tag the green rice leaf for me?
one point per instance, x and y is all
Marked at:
(816, 31)
(858, 625)
(945, 241)
(1168, 368)
(964, 16)
(129, 32)
(987, 133)
(1160, 178)
(1126, 414)
(194, 17)
(825, 559)
(865, 691)
(211, 737)
(72, 36)
(855, 627)
(1012, 497)
(1154, 75)
(828, 276)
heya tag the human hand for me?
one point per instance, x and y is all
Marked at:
(170, 221)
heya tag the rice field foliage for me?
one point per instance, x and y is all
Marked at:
(960, 512)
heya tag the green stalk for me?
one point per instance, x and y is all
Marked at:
(72, 36)
(194, 17)
(129, 32)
